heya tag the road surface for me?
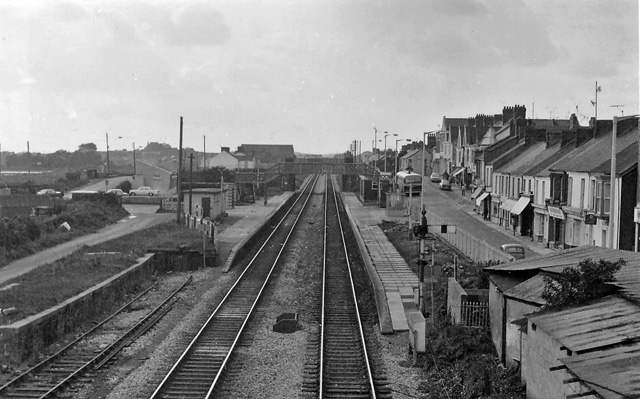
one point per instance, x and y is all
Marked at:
(141, 217)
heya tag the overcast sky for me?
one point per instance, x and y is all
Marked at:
(316, 74)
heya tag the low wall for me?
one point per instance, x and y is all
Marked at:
(24, 339)
(241, 249)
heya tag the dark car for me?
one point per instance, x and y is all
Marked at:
(515, 250)
(445, 185)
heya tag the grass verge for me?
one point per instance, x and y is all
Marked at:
(460, 362)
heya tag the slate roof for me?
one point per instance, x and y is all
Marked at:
(529, 157)
(548, 157)
(594, 152)
(411, 153)
(625, 161)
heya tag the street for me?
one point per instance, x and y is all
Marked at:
(453, 208)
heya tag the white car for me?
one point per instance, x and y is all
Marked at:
(144, 191)
(49, 192)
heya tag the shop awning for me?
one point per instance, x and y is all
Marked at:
(555, 212)
(481, 198)
(508, 204)
(477, 192)
(520, 205)
(457, 172)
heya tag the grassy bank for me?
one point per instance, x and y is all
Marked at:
(460, 362)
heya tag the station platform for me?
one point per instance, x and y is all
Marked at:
(393, 281)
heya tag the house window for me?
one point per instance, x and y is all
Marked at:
(544, 192)
(582, 186)
(569, 191)
(598, 198)
(374, 185)
(592, 197)
(606, 203)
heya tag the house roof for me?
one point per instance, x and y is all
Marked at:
(412, 153)
(529, 157)
(598, 324)
(625, 161)
(548, 157)
(276, 150)
(595, 152)
(612, 373)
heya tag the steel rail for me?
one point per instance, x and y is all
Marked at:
(126, 338)
(353, 301)
(72, 343)
(201, 334)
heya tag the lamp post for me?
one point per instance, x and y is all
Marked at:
(375, 140)
(385, 148)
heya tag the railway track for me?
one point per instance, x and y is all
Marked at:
(345, 369)
(198, 370)
(78, 359)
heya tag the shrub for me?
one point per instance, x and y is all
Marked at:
(575, 285)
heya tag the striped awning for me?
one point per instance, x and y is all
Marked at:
(555, 212)
(457, 172)
(507, 204)
(481, 198)
(478, 191)
(520, 205)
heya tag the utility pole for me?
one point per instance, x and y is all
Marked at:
(108, 167)
(179, 182)
(190, 182)
(134, 159)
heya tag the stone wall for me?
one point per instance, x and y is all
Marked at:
(24, 339)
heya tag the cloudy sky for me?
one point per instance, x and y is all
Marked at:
(315, 74)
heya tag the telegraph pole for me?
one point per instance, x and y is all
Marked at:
(190, 181)
(108, 167)
(179, 210)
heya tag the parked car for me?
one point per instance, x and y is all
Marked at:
(49, 192)
(445, 185)
(144, 191)
(515, 250)
(117, 192)
(436, 178)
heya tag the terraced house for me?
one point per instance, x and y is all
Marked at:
(548, 179)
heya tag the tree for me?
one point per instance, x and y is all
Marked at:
(87, 147)
(575, 285)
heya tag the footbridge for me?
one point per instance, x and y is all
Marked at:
(326, 166)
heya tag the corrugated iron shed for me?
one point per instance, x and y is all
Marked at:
(568, 257)
(614, 374)
(529, 291)
(602, 323)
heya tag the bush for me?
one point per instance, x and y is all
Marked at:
(575, 285)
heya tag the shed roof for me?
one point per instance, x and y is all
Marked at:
(529, 291)
(612, 373)
(601, 323)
